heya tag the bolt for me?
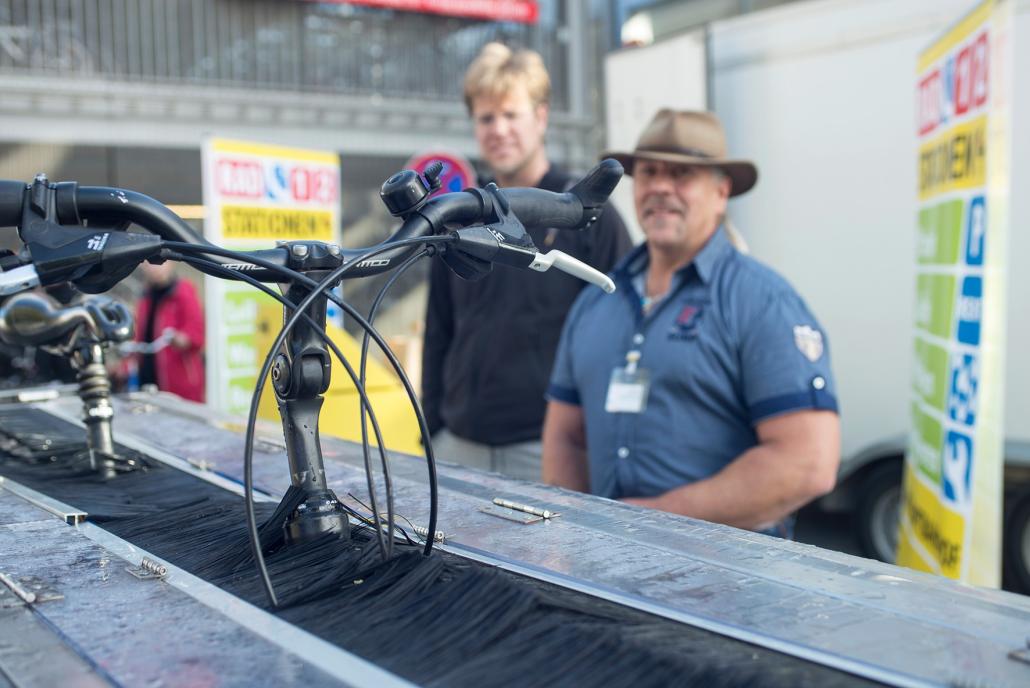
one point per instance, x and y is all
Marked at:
(300, 250)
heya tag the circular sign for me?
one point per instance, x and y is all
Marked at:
(458, 173)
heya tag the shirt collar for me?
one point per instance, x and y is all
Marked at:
(704, 263)
(708, 257)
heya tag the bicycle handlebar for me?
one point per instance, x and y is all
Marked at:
(65, 227)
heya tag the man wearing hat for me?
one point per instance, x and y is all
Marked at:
(703, 385)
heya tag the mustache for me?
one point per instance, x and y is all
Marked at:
(663, 203)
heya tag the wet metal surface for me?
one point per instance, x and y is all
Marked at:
(33, 654)
(871, 618)
(178, 631)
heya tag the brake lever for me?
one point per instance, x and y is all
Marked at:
(485, 246)
(506, 241)
(572, 266)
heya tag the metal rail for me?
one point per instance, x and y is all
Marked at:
(265, 44)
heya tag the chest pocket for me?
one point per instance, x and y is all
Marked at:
(703, 361)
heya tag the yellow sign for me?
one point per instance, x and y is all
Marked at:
(341, 413)
(950, 523)
(957, 159)
(935, 531)
(256, 194)
(287, 224)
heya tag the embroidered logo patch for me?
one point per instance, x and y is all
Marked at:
(686, 315)
(685, 326)
(809, 342)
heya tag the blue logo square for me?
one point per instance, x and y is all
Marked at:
(976, 231)
(968, 310)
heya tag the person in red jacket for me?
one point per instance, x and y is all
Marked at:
(170, 309)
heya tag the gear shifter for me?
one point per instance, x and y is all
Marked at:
(506, 241)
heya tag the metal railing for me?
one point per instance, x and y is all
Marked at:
(283, 45)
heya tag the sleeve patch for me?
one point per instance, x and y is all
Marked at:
(809, 342)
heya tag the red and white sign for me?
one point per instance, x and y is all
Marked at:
(457, 175)
(955, 86)
(522, 11)
(245, 177)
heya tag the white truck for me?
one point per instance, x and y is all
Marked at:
(822, 96)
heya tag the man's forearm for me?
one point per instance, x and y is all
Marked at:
(758, 489)
(564, 461)
(565, 465)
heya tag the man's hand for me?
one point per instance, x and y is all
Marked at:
(564, 460)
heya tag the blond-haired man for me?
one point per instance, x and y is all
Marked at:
(489, 344)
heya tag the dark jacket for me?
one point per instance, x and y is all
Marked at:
(490, 344)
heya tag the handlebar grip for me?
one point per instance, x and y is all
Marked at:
(536, 208)
(595, 188)
(575, 209)
(11, 195)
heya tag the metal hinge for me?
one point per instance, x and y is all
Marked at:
(148, 570)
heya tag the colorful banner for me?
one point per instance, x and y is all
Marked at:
(256, 194)
(522, 11)
(951, 499)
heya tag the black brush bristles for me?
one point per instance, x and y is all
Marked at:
(439, 620)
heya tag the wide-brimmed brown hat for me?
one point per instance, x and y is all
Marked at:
(694, 138)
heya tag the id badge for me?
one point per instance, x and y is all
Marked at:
(627, 390)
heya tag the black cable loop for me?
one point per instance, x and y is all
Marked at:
(318, 289)
(339, 355)
(350, 310)
(364, 431)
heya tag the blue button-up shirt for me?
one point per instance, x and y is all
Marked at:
(730, 345)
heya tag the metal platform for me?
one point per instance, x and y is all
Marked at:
(871, 619)
(171, 630)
